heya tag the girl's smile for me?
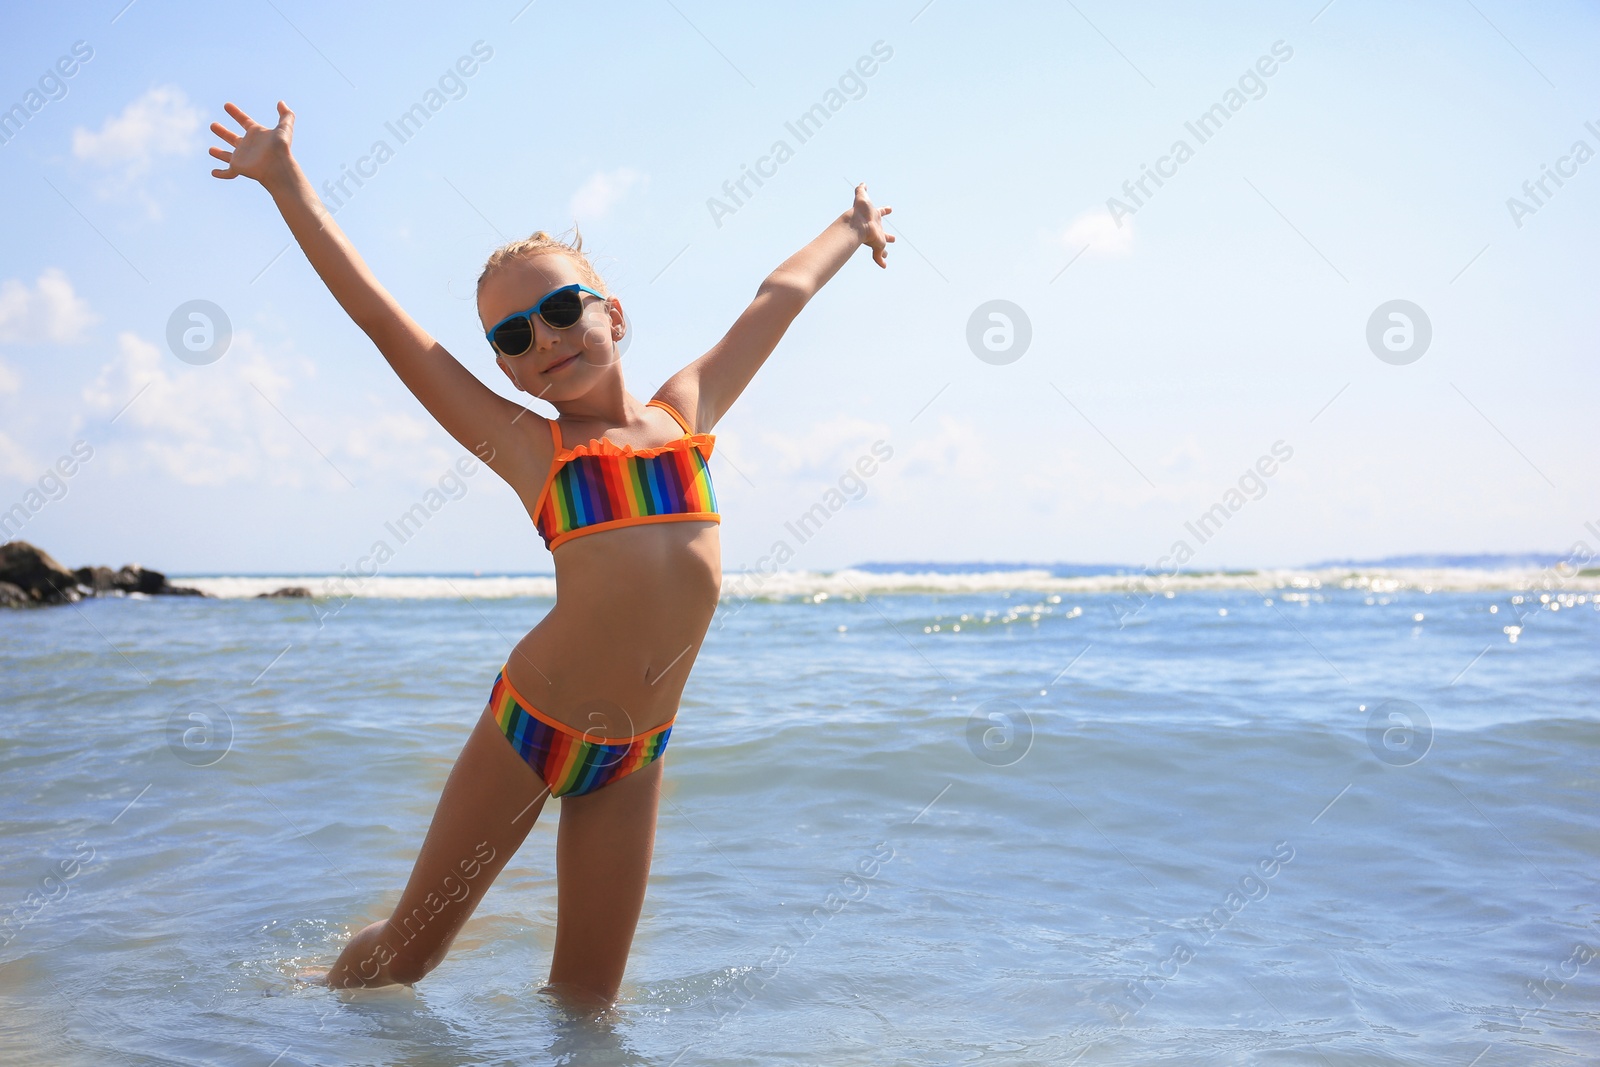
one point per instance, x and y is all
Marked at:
(561, 364)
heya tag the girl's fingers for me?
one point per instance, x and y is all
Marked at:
(223, 132)
(222, 174)
(885, 211)
(222, 154)
(244, 120)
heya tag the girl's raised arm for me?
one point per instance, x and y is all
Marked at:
(470, 411)
(706, 388)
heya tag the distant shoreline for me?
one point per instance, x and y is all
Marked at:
(1481, 561)
(1036, 583)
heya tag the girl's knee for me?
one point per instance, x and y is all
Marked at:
(409, 970)
(382, 954)
(412, 948)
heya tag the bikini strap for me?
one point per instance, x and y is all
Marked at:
(555, 434)
(670, 410)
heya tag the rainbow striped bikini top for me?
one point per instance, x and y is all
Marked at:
(603, 485)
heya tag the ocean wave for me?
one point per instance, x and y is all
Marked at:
(851, 583)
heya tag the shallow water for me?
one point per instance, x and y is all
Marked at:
(1180, 842)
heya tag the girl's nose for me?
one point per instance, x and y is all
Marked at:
(544, 338)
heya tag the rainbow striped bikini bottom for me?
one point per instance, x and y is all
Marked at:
(570, 763)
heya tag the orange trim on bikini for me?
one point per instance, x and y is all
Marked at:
(556, 724)
(636, 520)
(670, 410)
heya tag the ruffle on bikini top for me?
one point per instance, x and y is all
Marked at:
(603, 446)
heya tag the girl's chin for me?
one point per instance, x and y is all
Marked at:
(559, 388)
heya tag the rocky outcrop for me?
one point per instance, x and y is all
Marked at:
(100, 580)
(37, 578)
(136, 579)
(286, 591)
(37, 574)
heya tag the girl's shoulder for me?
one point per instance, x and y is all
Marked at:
(526, 454)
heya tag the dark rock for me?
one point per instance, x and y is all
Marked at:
(135, 579)
(13, 596)
(286, 591)
(37, 574)
(41, 580)
(98, 579)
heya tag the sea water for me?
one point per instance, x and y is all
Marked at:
(1008, 817)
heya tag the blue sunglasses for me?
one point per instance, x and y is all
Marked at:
(559, 308)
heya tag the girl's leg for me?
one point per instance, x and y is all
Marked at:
(603, 850)
(489, 804)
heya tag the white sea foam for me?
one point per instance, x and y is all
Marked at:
(845, 583)
(851, 583)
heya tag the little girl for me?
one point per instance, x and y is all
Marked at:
(585, 703)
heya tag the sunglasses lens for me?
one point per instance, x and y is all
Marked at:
(514, 337)
(563, 309)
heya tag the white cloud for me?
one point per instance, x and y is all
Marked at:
(15, 462)
(203, 427)
(1019, 477)
(1184, 459)
(957, 454)
(826, 450)
(9, 382)
(229, 422)
(162, 122)
(49, 311)
(1100, 233)
(393, 441)
(602, 191)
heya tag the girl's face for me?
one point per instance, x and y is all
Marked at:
(561, 364)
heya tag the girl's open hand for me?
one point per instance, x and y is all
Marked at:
(261, 153)
(868, 220)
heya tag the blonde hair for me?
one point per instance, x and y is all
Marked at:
(542, 243)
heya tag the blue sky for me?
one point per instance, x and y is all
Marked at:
(1227, 314)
